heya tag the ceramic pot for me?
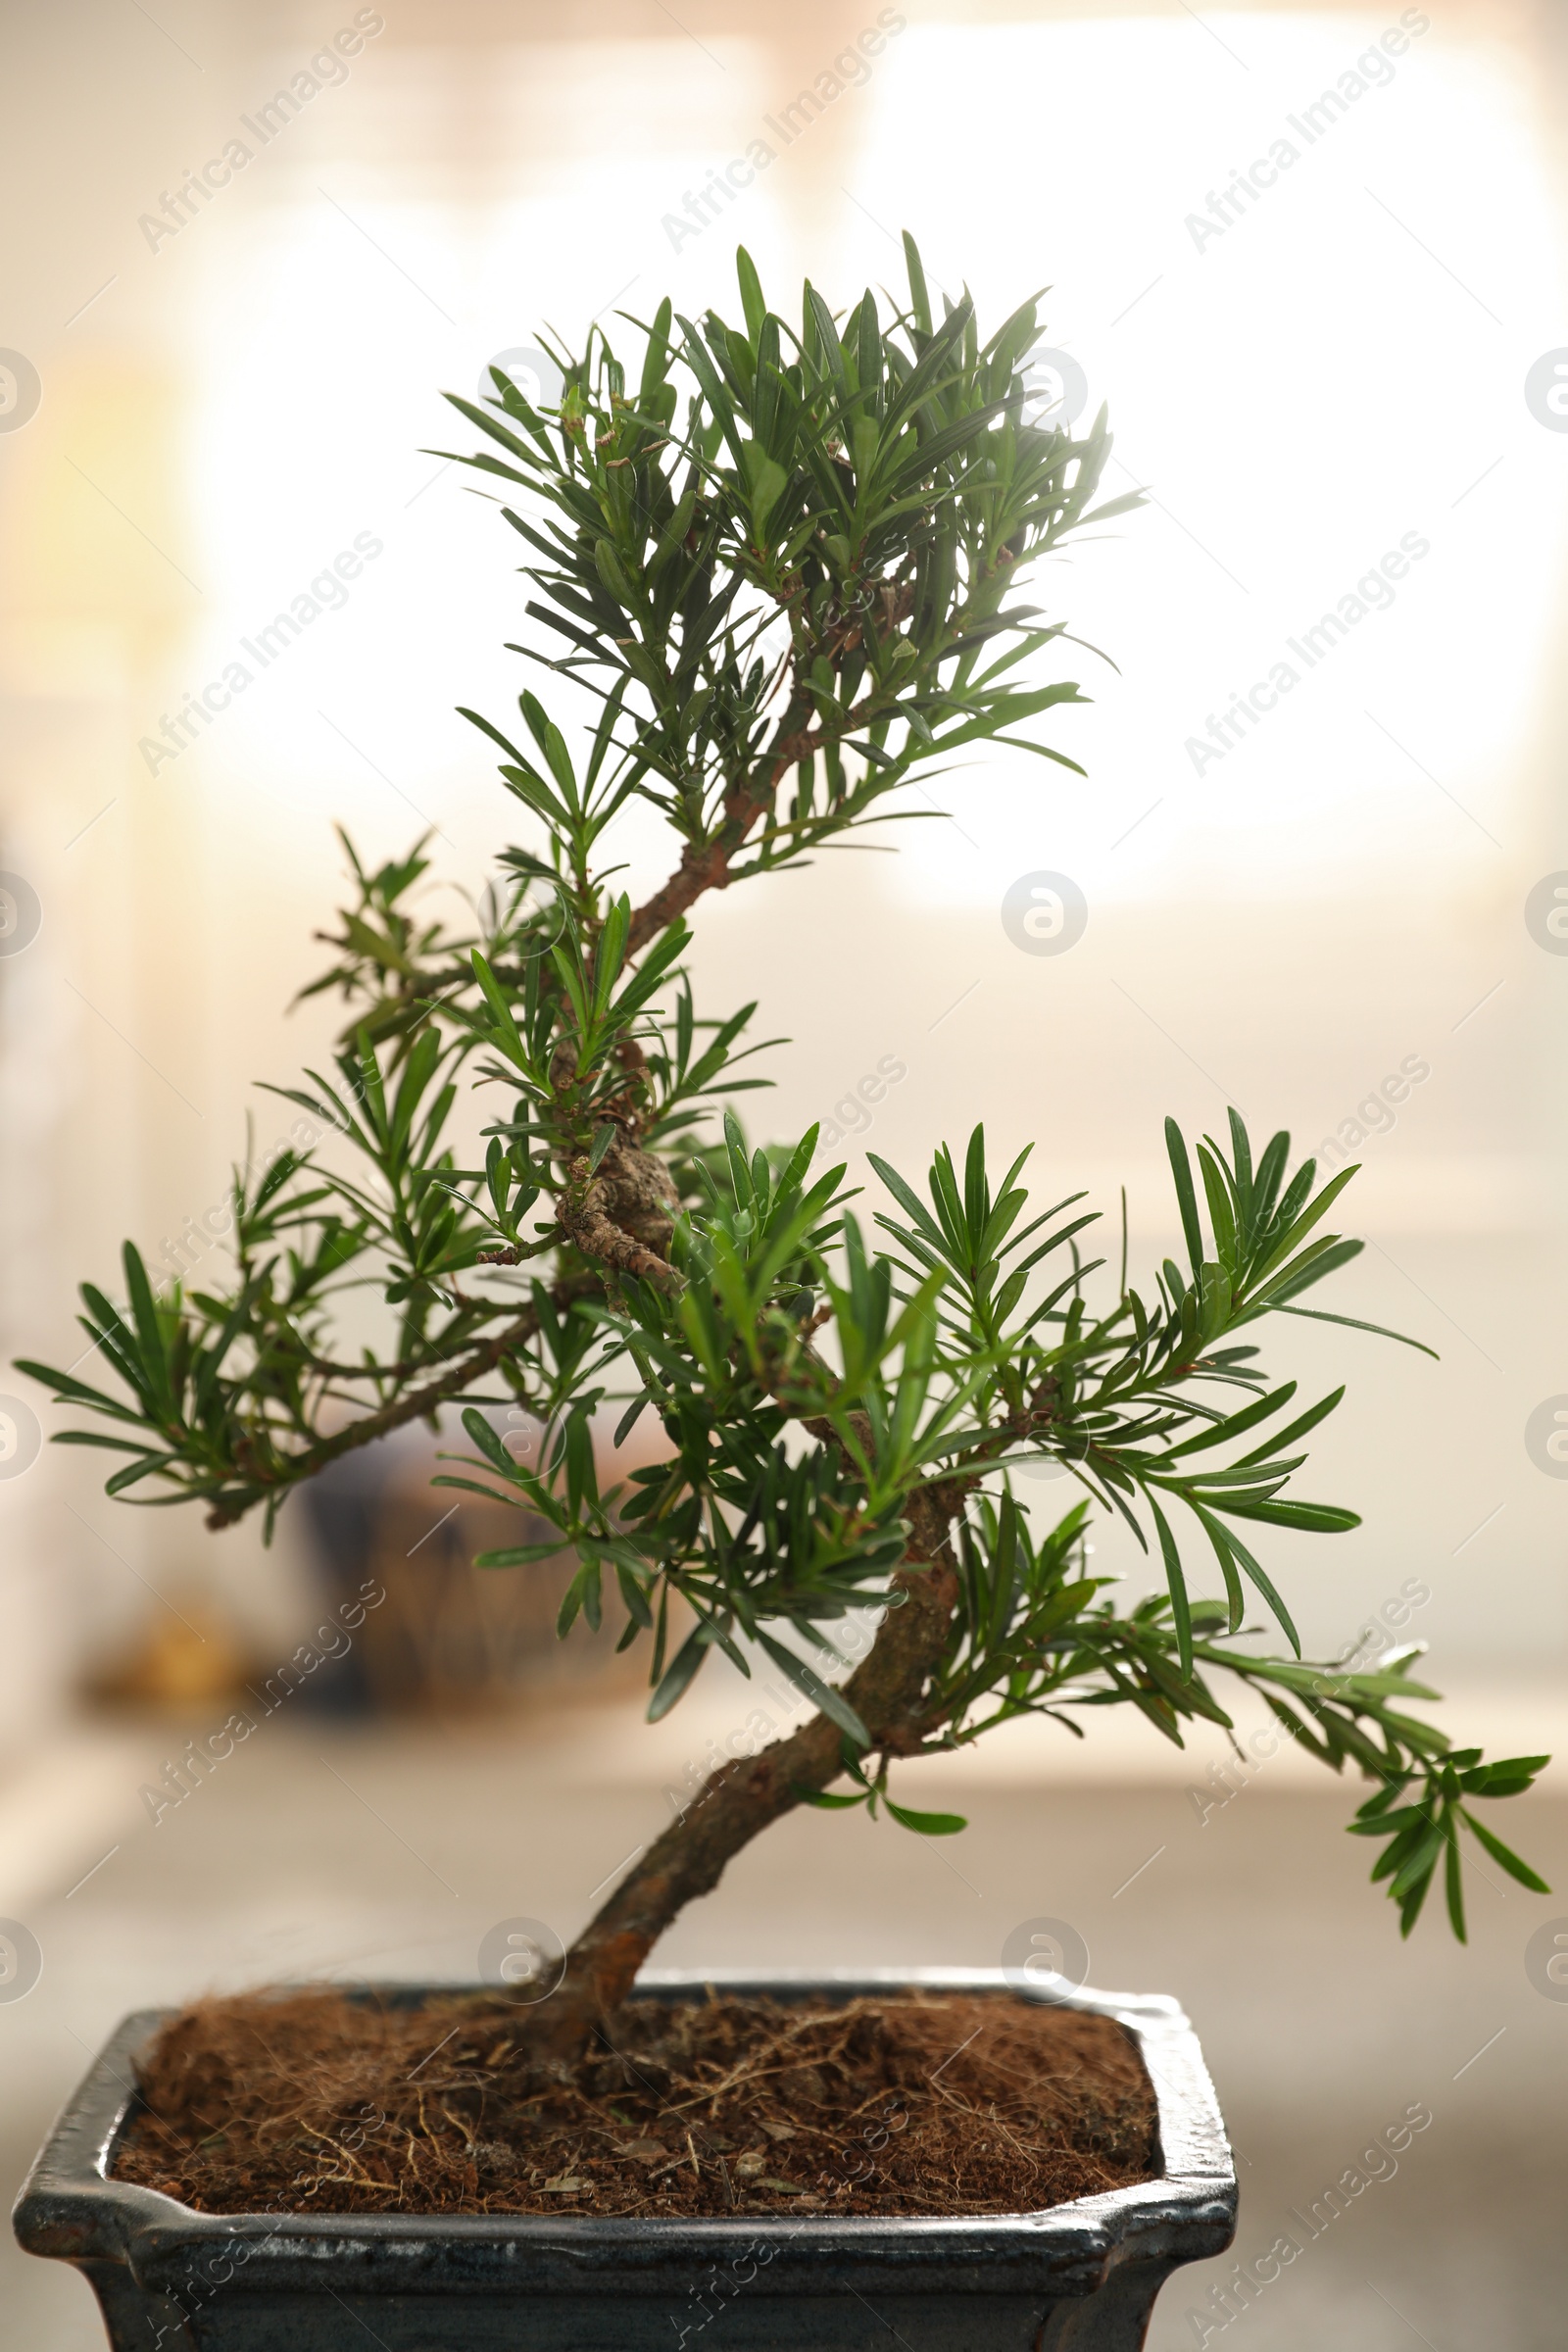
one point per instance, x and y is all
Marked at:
(1076, 2278)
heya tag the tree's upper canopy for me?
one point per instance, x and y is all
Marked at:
(787, 564)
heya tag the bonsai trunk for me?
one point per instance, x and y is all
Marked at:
(740, 1799)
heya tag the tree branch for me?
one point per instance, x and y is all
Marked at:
(741, 1800)
(706, 867)
(479, 1360)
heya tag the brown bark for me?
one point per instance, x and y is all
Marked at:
(707, 867)
(584, 1221)
(623, 1218)
(708, 870)
(743, 1798)
(639, 1195)
(477, 1359)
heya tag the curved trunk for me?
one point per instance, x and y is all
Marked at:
(742, 1798)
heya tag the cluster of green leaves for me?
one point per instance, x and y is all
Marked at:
(812, 562)
(781, 564)
(914, 489)
(1423, 1829)
(960, 1364)
(1103, 1385)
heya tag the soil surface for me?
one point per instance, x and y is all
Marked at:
(314, 2102)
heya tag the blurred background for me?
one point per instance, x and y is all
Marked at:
(1313, 261)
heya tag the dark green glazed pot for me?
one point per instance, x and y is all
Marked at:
(1078, 2277)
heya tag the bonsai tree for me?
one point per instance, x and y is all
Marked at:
(786, 563)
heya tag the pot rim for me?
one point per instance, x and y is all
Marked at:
(69, 2207)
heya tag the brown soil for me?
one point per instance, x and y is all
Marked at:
(312, 2102)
